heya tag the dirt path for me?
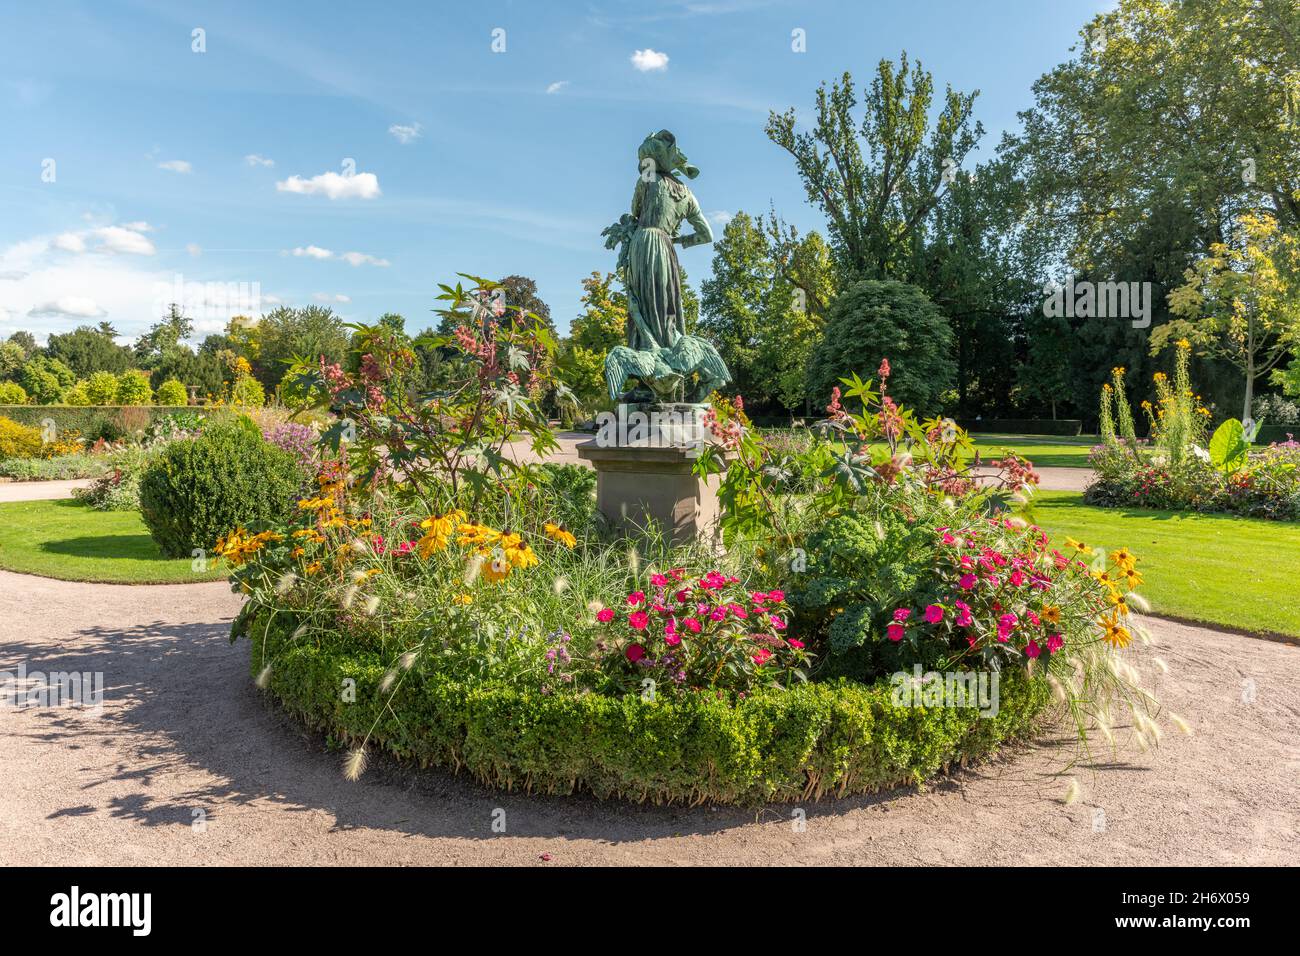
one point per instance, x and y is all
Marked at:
(183, 730)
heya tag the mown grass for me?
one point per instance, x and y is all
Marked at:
(1221, 569)
(1045, 451)
(71, 541)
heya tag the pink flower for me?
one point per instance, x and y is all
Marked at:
(1017, 578)
(635, 598)
(737, 610)
(682, 596)
(895, 632)
(778, 623)
(692, 624)
(1054, 642)
(639, 620)
(1034, 619)
(948, 538)
(1031, 649)
(605, 615)
(634, 652)
(761, 656)
(719, 614)
(659, 581)
(777, 596)
(795, 643)
(672, 639)
(964, 619)
(712, 581)
(968, 581)
(902, 613)
(933, 614)
(1006, 624)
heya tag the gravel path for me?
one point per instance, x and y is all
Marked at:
(39, 490)
(184, 736)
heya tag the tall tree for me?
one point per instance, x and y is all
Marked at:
(734, 302)
(878, 179)
(521, 296)
(87, 349)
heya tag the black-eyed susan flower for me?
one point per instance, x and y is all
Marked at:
(557, 533)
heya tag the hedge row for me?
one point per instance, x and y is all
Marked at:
(814, 739)
(1268, 434)
(95, 421)
(1024, 426)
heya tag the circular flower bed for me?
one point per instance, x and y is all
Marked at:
(878, 616)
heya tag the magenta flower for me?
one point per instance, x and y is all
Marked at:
(933, 614)
(639, 620)
(635, 598)
(777, 596)
(1054, 642)
(605, 615)
(659, 581)
(778, 623)
(692, 624)
(968, 581)
(894, 632)
(1031, 649)
(634, 652)
(902, 613)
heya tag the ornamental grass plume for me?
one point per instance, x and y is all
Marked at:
(1181, 724)
(1072, 792)
(263, 677)
(355, 764)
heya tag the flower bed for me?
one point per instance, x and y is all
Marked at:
(1178, 469)
(434, 599)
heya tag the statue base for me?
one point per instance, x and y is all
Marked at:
(648, 479)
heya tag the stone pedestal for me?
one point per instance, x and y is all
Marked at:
(640, 483)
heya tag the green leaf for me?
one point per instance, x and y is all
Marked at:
(1229, 449)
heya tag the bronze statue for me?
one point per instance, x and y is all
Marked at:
(669, 364)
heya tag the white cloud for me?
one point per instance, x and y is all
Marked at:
(122, 239)
(362, 259)
(69, 242)
(351, 258)
(194, 249)
(326, 297)
(137, 226)
(719, 217)
(557, 86)
(13, 275)
(72, 306)
(313, 252)
(253, 159)
(405, 133)
(647, 60)
(176, 166)
(333, 185)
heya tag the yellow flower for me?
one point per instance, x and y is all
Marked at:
(312, 568)
(496, 570)
(477, 534)
(297, 552)
(1117, 601)
(1133, 577)
(1051, 614)
(1124, 559)
(463, 599)
(1114, 633)
(314, 504)
(557, 533)
(1078, 546)
(1183, 344)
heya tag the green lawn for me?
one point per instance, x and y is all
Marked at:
(1045, 451)
(1238, 572)
(71, 541)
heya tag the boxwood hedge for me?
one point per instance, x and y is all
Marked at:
(819, 738)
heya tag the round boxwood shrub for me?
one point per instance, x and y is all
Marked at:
(202, 488)
(172, 392)
(133, 388)
(11, 393)
(839, 737)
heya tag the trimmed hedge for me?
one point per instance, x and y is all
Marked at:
(814, 739)
(111, 422)
(1024, 426)
(1268, 434)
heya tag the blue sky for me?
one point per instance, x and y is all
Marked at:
(226, 166)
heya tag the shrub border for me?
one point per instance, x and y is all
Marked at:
(816, 739)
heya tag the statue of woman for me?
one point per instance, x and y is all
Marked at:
(666, 356)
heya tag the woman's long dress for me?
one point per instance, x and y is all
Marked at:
(654, 281)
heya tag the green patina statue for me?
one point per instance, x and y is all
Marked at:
(670, 365)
